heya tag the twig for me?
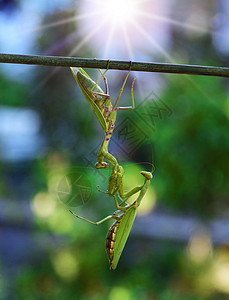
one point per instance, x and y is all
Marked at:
(114, 64)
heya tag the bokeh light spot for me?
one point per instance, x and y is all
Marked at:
(119, 293)
(200, 247)
(131, 181)
(65, 264)
(43, 205)
(220, 271)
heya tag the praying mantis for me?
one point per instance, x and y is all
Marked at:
(101, 105)
(124, 217)
(106, 114)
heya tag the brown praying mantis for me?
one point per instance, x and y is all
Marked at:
(101, 105)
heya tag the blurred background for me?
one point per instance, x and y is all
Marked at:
(49, 138)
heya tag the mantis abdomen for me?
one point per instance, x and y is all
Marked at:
(118, 234)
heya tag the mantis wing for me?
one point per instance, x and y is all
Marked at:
(86, 84)
(120, 232)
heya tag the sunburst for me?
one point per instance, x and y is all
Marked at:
(121, 29)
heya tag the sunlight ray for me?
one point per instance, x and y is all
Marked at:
(131, 55)
(199, 88)
(152, 41)
(87, 37)
(80, 45)
(92, 1)
(69, 20)
(173, 22)
(133, 1)
(186, 77)
(109, 41)
(59, 45)
(141, 1)
(45, 80)
(62, 22)
(127, 42)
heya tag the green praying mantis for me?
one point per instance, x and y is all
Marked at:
(106, 114)
(101, 105)
(124, 217)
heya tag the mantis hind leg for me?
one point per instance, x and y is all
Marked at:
(121, 90)
(132, 96)
(91, 222)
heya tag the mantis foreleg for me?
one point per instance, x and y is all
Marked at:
(115, 184)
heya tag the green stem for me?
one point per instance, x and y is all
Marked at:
(113, 64)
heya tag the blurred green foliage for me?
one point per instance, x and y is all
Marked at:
(191, 147)
(13, 93)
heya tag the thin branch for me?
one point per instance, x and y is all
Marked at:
(114, 64)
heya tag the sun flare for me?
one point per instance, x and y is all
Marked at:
(118, 11)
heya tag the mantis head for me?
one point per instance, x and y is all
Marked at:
(147, 175)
